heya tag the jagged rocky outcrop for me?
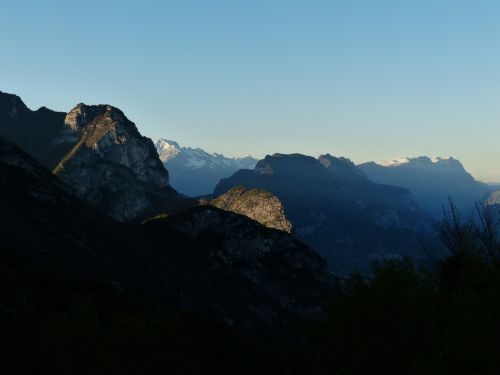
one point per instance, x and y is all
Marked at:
(112, 166)
(256, 204)
(203, 260)
(432, 181)
(98, 153)
(195, 172)
(336, 209)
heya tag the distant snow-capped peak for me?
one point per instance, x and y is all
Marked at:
(194, 158)
(167, 149)
(419, 160)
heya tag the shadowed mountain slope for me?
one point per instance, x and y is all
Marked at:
(33, 131)
(203, 260)
(98, 153)
(333, 207)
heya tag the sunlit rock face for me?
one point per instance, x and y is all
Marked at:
(258, 205)
(111, 165)
(98, 153)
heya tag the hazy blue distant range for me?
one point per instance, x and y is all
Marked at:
(431, 181)
(195, 172)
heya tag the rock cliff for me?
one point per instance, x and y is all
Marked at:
(256, 204)
(111, 165)
(98, 153)
(203, 260)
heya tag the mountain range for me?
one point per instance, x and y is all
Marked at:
(205, 261)
(195, 172)
(105, 265)
(351, 214)
(98, 153)
(431, 181)
(349, 219)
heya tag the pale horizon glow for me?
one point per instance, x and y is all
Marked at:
(366, 80)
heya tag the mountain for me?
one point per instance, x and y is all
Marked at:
(336, 209)
(176, 259)
(33, 131)
(430, 180)
(204, 260)
(258, 205)
(195, 172)
(98, 153)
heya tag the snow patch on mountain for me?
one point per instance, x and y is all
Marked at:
(431, 180)
(167, 149)
(419, 160)
(196, 157)
(194, 171)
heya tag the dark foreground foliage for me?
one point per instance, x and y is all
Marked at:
(401, 319)
(404, 319)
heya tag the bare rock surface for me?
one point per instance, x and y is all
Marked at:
(256, 204)
(203, 260)
(111, 165)
(98, 153)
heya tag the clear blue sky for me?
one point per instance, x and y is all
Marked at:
(371, 80)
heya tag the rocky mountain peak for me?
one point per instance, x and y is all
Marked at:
(110, 135)
(33, 131)
(328, 160)
(110, 164)
(11, 105)
(288, 164)
(436, 163)
(202, 260)
(194, 171)
(431, 180)
(342, 168)
(98, 153)
(79, 116)
(95, 121)
(328, 200)
(167, 149)
(257, 204)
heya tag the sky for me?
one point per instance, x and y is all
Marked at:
(365, 79)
